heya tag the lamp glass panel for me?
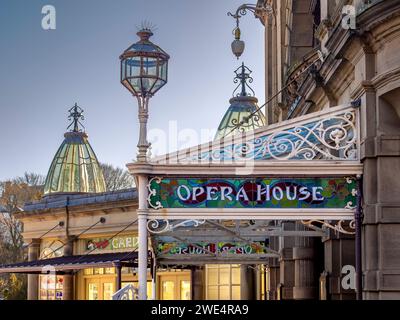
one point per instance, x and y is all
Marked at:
(150, 67)
(163, 70)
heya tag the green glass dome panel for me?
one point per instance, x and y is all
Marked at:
(75, 168)
(238, 119)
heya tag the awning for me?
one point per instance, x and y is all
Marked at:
(62, 264)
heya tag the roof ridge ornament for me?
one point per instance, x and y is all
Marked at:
(243, 77)
(76, 114)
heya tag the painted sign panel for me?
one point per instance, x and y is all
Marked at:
(117, 243)
(235, 248)
(273, 193)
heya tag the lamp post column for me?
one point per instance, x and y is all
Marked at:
(142, 231)
(143, 115)
(144, 71)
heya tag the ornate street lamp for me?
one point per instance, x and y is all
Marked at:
(144, 71)
(259, 10)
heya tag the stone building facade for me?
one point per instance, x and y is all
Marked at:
(359, 41)
(317, 56)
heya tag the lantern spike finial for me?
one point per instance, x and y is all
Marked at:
(146, 30)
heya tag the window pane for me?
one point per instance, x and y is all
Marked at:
(224, 293)
(88, 272)
(168, 290)
(126, 270)
(185, 290)
(212, 276)
(51, 294)
(109, 270)
(108, 290)
(212, 293)
(235, 292)
(224, 275)
(149, 289)
(93, 290)
(98, 271)
(235, 275)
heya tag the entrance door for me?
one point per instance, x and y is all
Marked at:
(174, 287)
(100, 288)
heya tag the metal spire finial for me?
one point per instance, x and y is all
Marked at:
(243, 77)
(76, 114)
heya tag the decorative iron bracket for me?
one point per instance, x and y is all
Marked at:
(156, 226)
(257, 10)
(152, 193)
(338, 227)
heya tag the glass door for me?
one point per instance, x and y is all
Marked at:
(174, 287)
(93, 289)
(100, 288)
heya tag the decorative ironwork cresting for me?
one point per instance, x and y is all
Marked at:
(330, 136)
(333, 138)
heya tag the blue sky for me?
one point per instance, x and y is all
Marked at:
(43, 73)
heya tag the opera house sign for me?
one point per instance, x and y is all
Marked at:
(289, 193)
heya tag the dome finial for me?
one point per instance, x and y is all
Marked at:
(243, 76)
(76, 114)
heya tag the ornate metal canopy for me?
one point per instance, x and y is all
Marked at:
(329, 135)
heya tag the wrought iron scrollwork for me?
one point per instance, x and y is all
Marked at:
(153, 192)
(159, 226)
(257, 10)
(128, 292)
(324, 138)
(334, 137)
(338, 227)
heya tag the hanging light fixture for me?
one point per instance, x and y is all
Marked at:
(238, 45)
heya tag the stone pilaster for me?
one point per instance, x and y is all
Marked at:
(304, 280)
(273, 281)
(68, 279)
(247, 283)
(339, 252)
(198, 281)
(274, 272)
(381, 229)
(286, 263)
(33, 279)
(380, 151)
(304, 255)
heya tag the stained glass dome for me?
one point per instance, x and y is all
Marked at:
(75, 168)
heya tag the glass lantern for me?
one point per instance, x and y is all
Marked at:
(144, 66)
